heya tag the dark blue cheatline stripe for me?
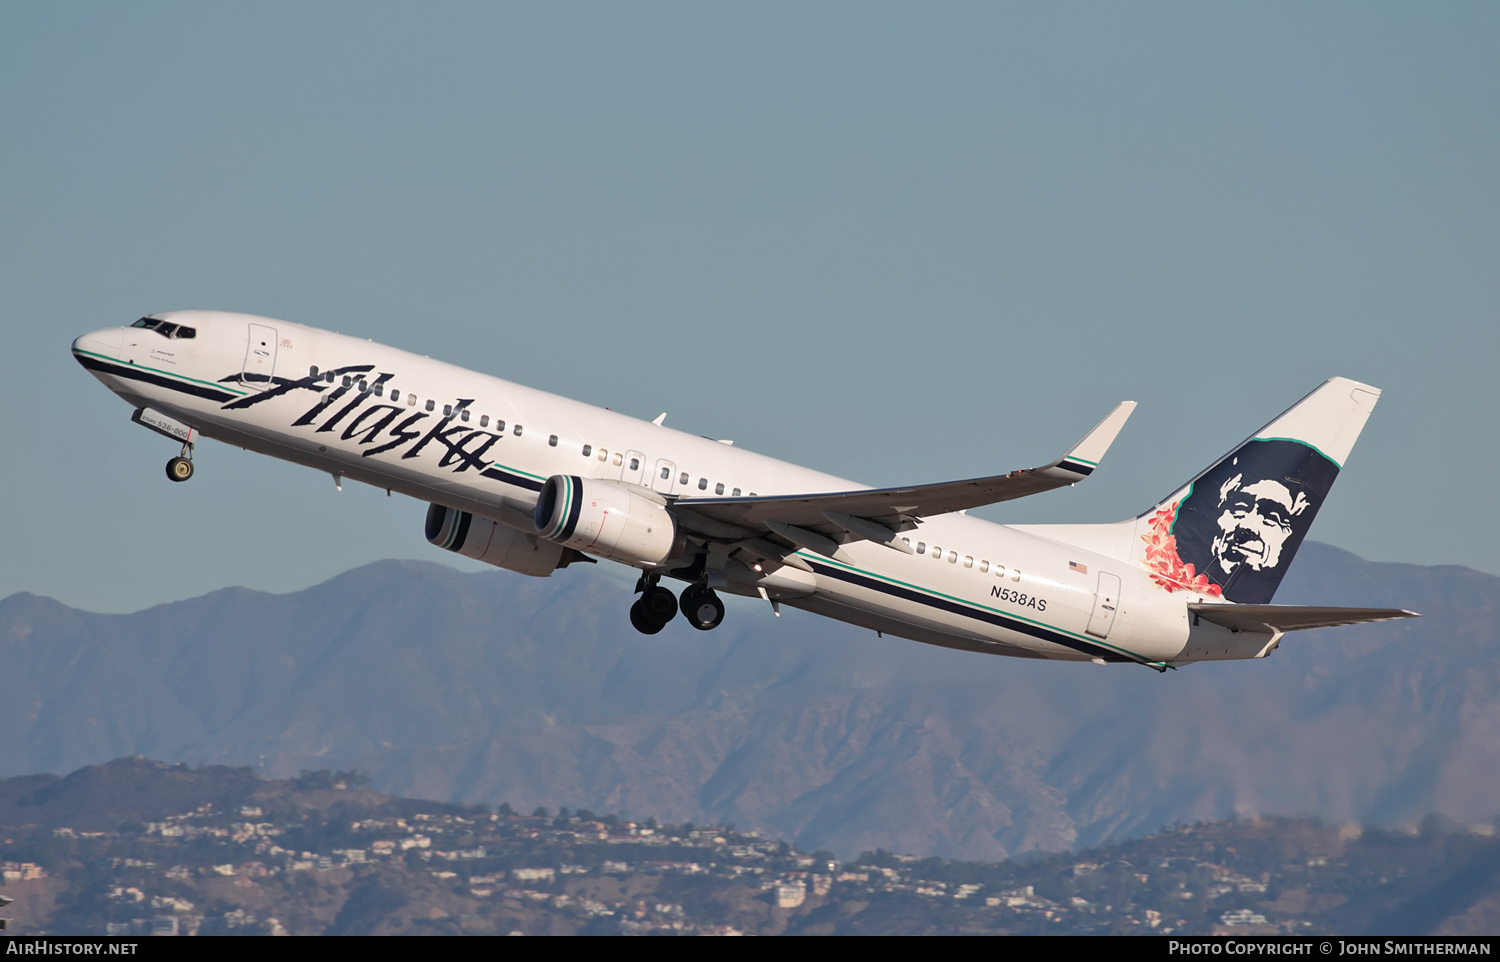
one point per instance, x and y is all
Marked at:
(907, 594)
(519, 480)
(137, 374)
(1077, 467)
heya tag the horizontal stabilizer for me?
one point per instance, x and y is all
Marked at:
(1291, 617)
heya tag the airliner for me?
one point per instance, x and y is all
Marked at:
(534, 482)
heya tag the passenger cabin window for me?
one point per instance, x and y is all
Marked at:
(635, 464)
(736, 492)
(588, 449)
(463, 415)
(718, 489)
(431, 404)
(618, 459)
(984, 566)
(499, 425)
(484, 422)
(447, 410)
(552, 441)
(921, 547)
(937, 552)
(666, 473)
(1015, 574)
(516, 430)
(603, 455)
(702, 484)
(312, 371)
(364, 386)
(349, 380)
(968, 561)
(682, 478)
(328, 376)
(952, 557)
(411, 400)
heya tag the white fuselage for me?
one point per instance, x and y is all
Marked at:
(434, 432)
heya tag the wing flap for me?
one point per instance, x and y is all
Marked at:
(1291, 617)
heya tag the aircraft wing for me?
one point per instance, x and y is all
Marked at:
(1291, 617)
(825, 519)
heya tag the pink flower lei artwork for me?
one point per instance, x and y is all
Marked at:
(1162, 561)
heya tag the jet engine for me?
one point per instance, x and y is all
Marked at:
(611, 519)
(496, 544)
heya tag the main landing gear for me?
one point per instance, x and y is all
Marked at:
(654, 608)
(180, 468)
(657, 605)
(701, 607)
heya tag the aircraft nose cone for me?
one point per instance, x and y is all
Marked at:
(105, 343)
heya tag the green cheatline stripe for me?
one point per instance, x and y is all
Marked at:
(114, 360)
(1090, 639)
(1074, 457)
(1305, 445)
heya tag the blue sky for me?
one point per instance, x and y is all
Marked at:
(900, 243)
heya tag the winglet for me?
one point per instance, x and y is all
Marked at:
(1084, 456)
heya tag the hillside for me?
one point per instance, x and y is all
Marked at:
(217, 851)
(491, 687)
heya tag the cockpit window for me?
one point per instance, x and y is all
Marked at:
(165, 328)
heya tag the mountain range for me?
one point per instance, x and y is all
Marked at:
(493, 687)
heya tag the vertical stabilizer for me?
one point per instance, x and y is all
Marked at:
(1231, 532)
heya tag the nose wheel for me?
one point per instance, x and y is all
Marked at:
(653, 609)
(180, 468)
(702, 607)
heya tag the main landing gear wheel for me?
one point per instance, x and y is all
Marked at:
(653, 609)
(642, 620)
(179, 469)
(702, 608)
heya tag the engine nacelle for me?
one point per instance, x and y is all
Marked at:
(494, 543)
(621, 522)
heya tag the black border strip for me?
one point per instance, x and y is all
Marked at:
(137, 374)
(464, 519)
(908, 594)
(519, 481)
(576, 483)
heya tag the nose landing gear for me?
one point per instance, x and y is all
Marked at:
(180, 468)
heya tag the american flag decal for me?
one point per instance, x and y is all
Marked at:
(1075, 566)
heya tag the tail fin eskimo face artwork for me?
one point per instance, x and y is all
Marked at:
(1235, 532)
